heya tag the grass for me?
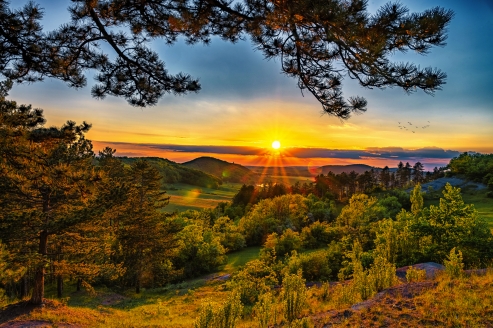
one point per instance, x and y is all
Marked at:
(240, 258)
(445, 302)
(187, 197)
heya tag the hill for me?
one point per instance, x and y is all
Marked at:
(338, 169)
(178, 173)
(227, 172)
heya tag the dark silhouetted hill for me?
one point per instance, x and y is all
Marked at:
(338, 169)
(178, 173)
(226, 171)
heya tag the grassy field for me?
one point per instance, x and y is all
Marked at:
(240, 258)
(187, 197)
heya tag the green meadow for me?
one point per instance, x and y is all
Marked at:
(187, 197)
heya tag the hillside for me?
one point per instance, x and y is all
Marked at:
(178, 173)
(227, 172)
(338, 169)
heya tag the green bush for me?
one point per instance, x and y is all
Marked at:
(453, 264)
(314, 266)
(286, 243)
(255, 279)
(265, 310)
(414, 275)
(319, 234)
(294, 295)
(226, 315)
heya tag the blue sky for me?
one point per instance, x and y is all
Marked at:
(246, 102)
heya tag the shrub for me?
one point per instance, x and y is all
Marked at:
(265, 311)
(301, 323)
(255, 279)
(286, 243)
(319, 234)
(453, 264)
(315, 266)
(223, 316)
(294, 295)
(414, 275)
(324, 292)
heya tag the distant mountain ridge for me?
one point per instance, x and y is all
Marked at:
(338, 169)
(226, 171)
(173, 172)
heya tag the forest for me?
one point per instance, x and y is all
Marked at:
(70, 217)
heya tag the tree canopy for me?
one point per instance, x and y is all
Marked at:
(317, 42)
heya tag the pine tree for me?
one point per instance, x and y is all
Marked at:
(317, 42)
(418, 169)
(47, 177)
(144, 237)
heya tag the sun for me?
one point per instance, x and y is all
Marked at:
(276, 144)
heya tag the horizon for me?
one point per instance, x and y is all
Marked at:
(246, 104)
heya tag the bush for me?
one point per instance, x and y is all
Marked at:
(415, 275)
(294, 296)
(226, 315)
(230, 237)
(265, 311)
(319, 234)
(453, 264)
(286, 243)
(314, 266)
(255, 279)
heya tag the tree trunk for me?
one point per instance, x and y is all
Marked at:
(59, 285)
(24, 286)
(79, 284)
(39, 275)
(137, 284)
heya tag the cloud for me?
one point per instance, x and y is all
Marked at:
(394, 153)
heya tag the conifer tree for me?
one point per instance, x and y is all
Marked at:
(144, 236)
(46, 176)
(317, 42)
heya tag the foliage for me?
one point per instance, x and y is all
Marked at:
(317, 43)
(477, 167)
(255, 279)
(415, 275)
(228, 233)
(265, 310)
(319, 234)
(273, 215)
(454, 224)
(315, 266)
(199, 251)
(293, 295)
(46, 182)
(284, 244)
(453, 264)
(174, 173)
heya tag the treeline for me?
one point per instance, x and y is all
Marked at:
(476, 167)
(340, 187)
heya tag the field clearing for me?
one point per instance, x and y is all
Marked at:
(240, 258)
(187, 197)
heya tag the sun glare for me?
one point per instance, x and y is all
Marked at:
(276, 144)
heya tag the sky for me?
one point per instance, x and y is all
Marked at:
(246, 103)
